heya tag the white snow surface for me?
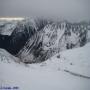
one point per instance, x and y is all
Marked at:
(53, 74)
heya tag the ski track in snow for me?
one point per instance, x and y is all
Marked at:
(76, 74)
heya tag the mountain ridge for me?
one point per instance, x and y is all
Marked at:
(43, 38)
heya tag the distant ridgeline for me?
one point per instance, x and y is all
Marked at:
(36, 40)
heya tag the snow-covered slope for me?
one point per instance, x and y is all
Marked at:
(68, 70)
(7, 57)
(76, 60)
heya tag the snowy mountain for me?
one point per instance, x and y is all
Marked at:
(62, 48)
(36, 40)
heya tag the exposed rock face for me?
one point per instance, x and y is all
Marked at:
(4, 39)
(37, 40)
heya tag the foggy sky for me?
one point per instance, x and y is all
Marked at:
(72, 10)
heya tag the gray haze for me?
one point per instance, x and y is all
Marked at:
(72, 10)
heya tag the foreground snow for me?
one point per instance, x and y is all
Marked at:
(68, 70)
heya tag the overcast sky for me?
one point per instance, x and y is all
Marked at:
(72, 10)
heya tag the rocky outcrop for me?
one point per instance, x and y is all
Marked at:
(52, 39)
